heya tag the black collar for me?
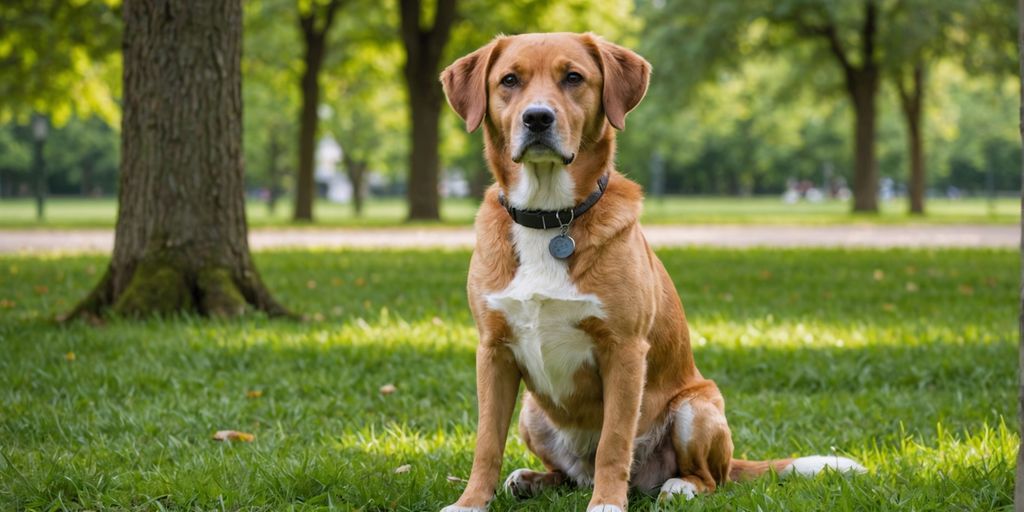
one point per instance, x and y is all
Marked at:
(546, 219)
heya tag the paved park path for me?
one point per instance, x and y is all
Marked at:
(878, 236)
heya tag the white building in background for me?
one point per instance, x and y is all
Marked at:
(328, 173)
(454, 184)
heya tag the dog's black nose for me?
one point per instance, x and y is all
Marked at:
(538, 119)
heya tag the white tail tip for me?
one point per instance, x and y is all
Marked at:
(810, 466)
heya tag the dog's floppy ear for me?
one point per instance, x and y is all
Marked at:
(626, 76)
(465, 85)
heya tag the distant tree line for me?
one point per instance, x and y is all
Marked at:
(747, 95)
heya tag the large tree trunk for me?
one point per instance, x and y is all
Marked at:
(423, 49)
(911, 103)
(181, 240)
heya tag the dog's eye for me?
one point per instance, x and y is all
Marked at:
(510, 80)
(573, 78)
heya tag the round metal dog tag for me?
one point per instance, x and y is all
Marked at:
(562, 246)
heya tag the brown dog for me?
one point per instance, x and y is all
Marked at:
(595, 329)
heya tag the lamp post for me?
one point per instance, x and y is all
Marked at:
(40, 128)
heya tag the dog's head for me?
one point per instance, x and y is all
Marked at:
(546, 97)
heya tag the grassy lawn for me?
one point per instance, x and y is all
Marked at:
(904, 360)
(98, 213)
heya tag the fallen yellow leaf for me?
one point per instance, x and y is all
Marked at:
(233, 435)
(70, 356)
(255, 393)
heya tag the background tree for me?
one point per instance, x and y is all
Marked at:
(315, 20)
(424, 44)
(695, 41)
(930, 31)
(181, 238)
(860, 62)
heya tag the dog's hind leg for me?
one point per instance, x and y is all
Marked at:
(563, 464)
(702, 442)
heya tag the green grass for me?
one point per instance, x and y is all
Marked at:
(904, 360)
(101, 213)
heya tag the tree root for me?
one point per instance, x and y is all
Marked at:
(158, 287)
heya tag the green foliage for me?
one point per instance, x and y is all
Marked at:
(60, 58)
(742, 97)
(746, 93)
(15, 153)
(901, 359)
(271, 64)
(81, 157)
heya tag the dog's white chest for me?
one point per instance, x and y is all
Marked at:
(543, 308)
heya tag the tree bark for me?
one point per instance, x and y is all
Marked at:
(423, 50)
(911, 102)
(181, 239)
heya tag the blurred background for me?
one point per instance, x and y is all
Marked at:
(789, 111)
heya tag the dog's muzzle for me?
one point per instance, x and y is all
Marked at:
(538, 140)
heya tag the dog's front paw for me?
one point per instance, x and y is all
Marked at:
(460, 508)
(605, 508)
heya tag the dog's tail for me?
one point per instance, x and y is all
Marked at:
(804, 466)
